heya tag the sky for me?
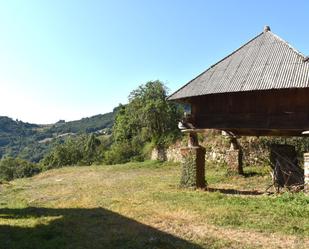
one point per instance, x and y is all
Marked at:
(69, 59)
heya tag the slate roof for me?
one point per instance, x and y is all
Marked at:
(266, 62)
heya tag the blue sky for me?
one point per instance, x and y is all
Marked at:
(72, 59)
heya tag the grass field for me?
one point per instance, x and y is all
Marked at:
(140, 205)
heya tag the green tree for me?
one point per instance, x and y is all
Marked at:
(69, 153)
(92, 152)
(148, 117)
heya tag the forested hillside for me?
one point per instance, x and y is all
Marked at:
(32, 141)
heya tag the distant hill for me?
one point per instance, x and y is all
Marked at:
(85, 125)
(32, 141)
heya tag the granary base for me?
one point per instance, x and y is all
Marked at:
(234, 161)
(306, 172)
(193, 167)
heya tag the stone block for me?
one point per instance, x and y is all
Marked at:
(306, 172)
(193, 167)
(234, 161)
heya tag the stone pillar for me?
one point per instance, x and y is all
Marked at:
(193, 167)
(306, 172)
(234, 161)
(234, 157)
(193, 164)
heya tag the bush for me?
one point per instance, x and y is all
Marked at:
(11, 168)
(69, 153)
(84, 150)
(122, 153)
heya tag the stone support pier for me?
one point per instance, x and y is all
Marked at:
(234, 161)
(235, 157)
(306, 172)
(193, 164)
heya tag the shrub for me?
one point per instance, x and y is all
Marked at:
(69, 153)
(81, 150)
(121, 153)
(11, 168)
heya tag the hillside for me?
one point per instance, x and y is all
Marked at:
(32, 141)
(84, 125)
(139, 205)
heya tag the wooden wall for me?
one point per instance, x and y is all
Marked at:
(275, 112)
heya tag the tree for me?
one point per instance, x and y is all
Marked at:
(91, 150)
(148, 117)
(69, 153)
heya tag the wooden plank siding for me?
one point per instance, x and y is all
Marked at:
(260, 112)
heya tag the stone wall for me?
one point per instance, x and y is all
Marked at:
(159, 154)
(171, 154)
(217, 147)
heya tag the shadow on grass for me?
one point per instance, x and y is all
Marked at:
(235, 192)
(81, 229)
(251, 174)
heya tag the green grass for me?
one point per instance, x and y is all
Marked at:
(139, 205)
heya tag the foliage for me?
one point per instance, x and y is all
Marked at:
(11, 168)
(81, 150)
(121, 153)
(32, 142)
(63, 155)
(85, 125)
(148, 117)
(257, 150)
(91, 151)
(301, 143)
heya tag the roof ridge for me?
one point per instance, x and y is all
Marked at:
(288, 44)
(213, 65)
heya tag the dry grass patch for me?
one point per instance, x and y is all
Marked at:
(139, 205)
